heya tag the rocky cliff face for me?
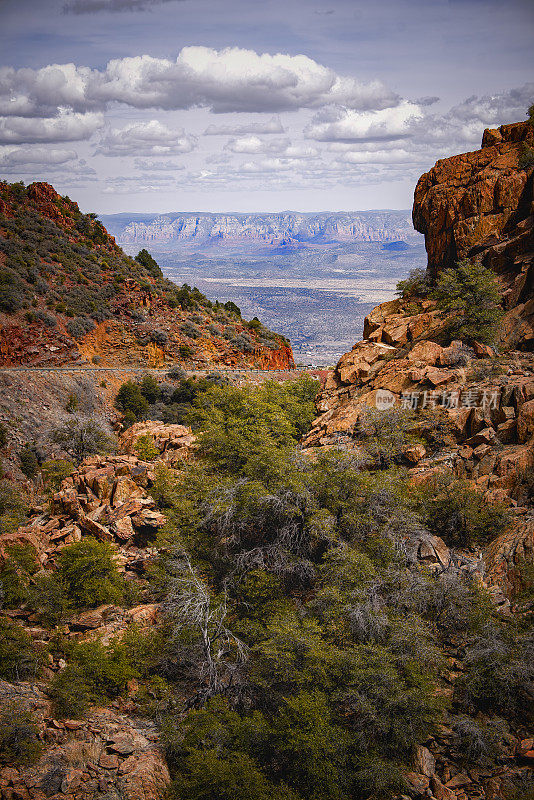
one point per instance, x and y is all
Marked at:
(70, 295)
(480, 205)
(260, 230)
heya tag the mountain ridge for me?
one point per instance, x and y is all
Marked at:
(271, 229)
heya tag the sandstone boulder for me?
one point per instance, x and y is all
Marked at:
(525, 421)
(505, 556)
(174, 442)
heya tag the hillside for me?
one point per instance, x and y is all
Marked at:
(70, 295)
(251, 231)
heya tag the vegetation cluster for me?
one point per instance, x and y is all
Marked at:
(467, 292)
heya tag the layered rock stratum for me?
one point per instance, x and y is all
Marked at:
(262, 230)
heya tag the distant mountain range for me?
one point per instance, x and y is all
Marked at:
(285, 229)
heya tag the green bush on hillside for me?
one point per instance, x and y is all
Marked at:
(145, 259)
(20, 659)
(470, 293)
(417, 284)
(19, 734)
(89, 571)
(459, 513)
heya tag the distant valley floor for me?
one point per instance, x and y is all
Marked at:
(317, 297)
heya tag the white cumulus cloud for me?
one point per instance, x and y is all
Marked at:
(66, 127)
(346, 125)
(145, 139)
(229, 80)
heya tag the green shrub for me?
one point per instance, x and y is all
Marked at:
(129, 420)
(49, 598)
(19, 657)
(185, 351)
(97, 673)
(55, 470)
(232, 308)
(130, 398)
(81, 439)
(70, 694)
(145, 448)
(149, 388)
(499, 672)
(79, 327)
(470, 293)
(19, 735)
(384, 435)
(29, 462)
(145, 259)
(417, 284)
(90, 573)
(13, 506)
(18, 564)
(526, 157)
(72, 403)
(106, 670)
(459, 513)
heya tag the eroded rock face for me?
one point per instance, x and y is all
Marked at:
(507, 556)
(174, 442)
(480, 205)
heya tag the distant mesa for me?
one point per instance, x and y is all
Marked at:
(282, 232)
(395, 246)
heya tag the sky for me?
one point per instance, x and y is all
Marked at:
(253, 105)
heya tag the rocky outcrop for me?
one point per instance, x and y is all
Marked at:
(509, 557)
(174, 442)
(480, 205)
(107, 755)
(108, 498)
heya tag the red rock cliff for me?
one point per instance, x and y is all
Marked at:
(480, 205)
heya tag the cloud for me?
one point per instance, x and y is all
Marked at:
(95, 6)
(40, 160)
(35, 155)
(145, 139)
(229, 80)
(426, 101)
(254, 145)
(273, 125)
(43, 92)
(138, 183)
(159, 166)
(346, 125)
(463, 124)
(398, 156)
(493, 109)
(64, 128)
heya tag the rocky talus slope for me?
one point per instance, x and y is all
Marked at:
(70, 295)
(113, 753)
